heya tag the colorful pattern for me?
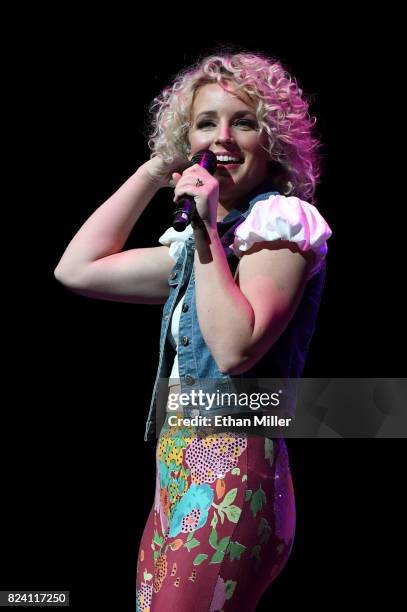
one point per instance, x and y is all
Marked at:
(222, 524)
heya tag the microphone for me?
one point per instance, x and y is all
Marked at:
(185, 206)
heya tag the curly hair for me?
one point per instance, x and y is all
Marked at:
(281, 110)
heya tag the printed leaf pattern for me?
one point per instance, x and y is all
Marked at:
(230, 586)
(257, 501)
(233, 513)
(196, 491)
(235, 550)
(199, 559)
(191, 544)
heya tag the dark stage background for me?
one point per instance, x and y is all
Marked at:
(78, 479)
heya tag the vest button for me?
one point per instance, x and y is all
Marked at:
(172, 275)
(185, 340)
(189, 379)
(184, 307)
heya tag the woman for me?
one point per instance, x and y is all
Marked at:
(241, 287)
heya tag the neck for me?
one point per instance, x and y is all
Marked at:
(222, 211)
(225, 205)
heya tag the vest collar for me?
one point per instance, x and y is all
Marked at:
(262, 192)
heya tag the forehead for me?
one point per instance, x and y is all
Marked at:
(212, 97)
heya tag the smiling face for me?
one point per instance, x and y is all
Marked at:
(225, 123)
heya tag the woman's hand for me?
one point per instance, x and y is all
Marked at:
(160, 171)
(203, 187)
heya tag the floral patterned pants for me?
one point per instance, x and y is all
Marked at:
(222, 524)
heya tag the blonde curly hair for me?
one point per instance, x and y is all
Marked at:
(281, 110)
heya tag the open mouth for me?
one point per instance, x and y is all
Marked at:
(229, 160)
(229, 164)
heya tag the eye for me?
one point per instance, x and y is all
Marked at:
(246, 123)
(205, 123)
(249, 123)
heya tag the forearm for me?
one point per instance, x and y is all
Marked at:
(225, 316)
(107, 229)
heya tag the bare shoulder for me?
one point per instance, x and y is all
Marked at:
(139, 276)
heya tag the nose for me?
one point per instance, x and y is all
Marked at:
(224, 133)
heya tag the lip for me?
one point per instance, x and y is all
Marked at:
(230, 153)
(220, 165)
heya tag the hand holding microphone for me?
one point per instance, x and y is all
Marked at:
(187, 188)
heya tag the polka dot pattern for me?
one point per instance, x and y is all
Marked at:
(144, 595)
(190, 521)
(213, 456)
(160, 572)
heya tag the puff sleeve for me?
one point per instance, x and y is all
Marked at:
(285, 218)
(175, 240)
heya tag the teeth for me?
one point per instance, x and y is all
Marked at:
(227, 158)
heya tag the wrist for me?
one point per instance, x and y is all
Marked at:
(204, 225)
(204, 232)
(155, 181)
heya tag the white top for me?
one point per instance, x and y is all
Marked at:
(173, 336)
(276, 218)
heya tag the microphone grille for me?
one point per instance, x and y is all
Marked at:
(206, 159)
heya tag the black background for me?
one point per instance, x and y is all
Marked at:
(78, 479)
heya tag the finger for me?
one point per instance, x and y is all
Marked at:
(186, 187)
(193, 169)
(185, 191)
(184, 194)
(176, 177)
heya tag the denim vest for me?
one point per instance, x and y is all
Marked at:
(284, 360)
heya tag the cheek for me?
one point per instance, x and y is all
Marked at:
(258, 167)
(199, 142)
(261, 158)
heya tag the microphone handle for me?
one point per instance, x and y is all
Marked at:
(183, 213)
(185, 207)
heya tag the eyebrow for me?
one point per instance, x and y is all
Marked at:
(241, 113)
